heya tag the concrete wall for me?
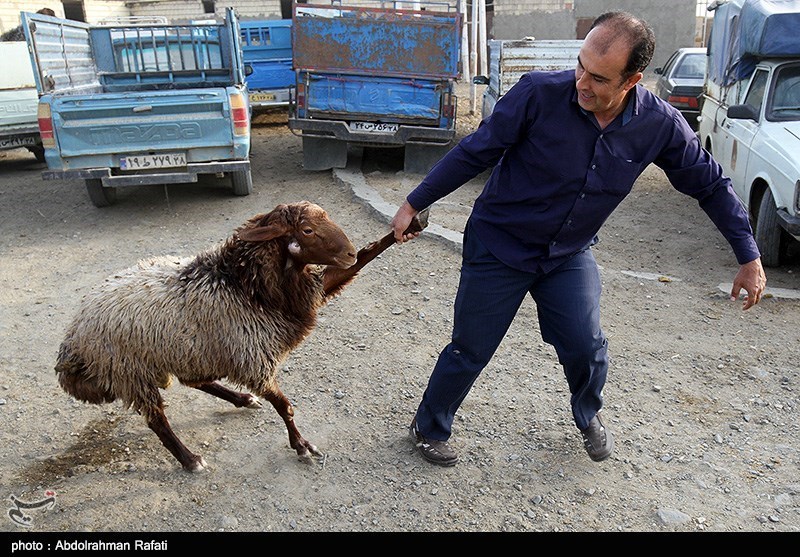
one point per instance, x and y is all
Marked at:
(184, 10)
(177, 11)
(9, 11)
(674, 27)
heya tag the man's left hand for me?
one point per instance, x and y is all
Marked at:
(752, 279)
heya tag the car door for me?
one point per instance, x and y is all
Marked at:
(741, 132)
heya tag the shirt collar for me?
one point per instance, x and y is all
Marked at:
(631, 108)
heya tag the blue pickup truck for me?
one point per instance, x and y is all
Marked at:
(137, 104)
(267, 52)
(375, 77)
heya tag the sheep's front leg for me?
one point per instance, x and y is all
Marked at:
(336, 278)
(284, 408)
(157, 421)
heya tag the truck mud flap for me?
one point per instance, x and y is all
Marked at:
(419, 158)
(322, 153)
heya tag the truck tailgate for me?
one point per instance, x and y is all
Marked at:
(18, 108)
(357, 97)
(113, 124)
(357, 40)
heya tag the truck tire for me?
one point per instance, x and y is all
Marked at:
(242, 182)
(769, 236)
(38, 152)
(100, 196)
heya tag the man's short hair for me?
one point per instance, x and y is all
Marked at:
(636, 32)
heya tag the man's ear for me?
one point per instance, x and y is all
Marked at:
(633, 80)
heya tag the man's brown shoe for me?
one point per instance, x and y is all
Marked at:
(598, 440)
(436, 452)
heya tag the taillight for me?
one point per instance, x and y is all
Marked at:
(45, 119)
(241, 120)
(448, 106)
(688, 102)
(301, 96)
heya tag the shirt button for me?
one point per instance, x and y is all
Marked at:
(594, 166)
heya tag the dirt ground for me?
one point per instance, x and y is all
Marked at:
(701, 396)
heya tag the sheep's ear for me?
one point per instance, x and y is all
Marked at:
(262, 233)
(262, 228)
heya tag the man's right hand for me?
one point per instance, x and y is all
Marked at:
(401, 221)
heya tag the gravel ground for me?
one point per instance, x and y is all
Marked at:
(702, 397)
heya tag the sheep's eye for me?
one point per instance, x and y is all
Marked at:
(308, 231)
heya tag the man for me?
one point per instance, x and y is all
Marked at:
(566, 149)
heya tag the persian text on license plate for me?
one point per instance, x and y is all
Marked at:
(143, 162)
(373, 127)
(261, 97)
(17, 142)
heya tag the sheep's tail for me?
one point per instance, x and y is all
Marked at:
(75, 379)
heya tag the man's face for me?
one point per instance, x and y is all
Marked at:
(598, 75)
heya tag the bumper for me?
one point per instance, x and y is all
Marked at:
(789, 223)
(168, 176)
(339, 130)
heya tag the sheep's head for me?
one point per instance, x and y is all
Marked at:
(311, 237)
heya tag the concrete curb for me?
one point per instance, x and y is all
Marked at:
(351, 177)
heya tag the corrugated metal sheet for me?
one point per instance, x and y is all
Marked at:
(510, 60)
(63, 54)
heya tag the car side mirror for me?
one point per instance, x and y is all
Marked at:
(742, 112)
(658, 71)
(480, 80)
(248, 69)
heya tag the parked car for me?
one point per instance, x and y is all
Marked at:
(680, 82)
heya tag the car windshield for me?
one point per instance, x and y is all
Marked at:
(691, 66)
(786, 99)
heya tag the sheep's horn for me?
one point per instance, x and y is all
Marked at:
(419, 222)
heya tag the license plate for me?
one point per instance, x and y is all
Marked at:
(261, 97)
(373, 127)
(17, 142)
(143, 162)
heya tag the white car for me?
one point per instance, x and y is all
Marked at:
(757, 142)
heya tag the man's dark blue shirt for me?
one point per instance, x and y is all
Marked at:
(557, 176)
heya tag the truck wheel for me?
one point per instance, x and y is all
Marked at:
(242, 182)
(100, 196)
(769, 236)
(38, 152)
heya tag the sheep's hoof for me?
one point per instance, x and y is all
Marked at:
(196, 466)
(253, 402)
(306, 451)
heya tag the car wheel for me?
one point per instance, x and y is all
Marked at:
(769, 235)
(99, 195)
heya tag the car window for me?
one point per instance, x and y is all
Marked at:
(755, 96)
(670, 63)
(691, 66)
(786, 98)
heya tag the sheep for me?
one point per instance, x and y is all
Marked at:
(232, 312)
